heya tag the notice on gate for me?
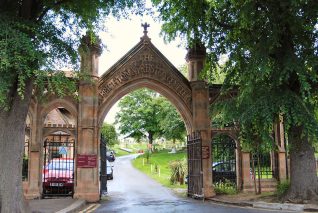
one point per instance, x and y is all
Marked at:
(205, 152)
(86, 161)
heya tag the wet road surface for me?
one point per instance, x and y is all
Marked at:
(133, 192)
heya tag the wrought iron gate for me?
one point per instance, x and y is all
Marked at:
(58, 166)
(224, 159)
(195, 178)
(103, 166)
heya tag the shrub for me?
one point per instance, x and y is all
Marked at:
(282, 189)
(226, 187)
(178, 171)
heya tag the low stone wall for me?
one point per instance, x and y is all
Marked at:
(25, 187)
(267, 185)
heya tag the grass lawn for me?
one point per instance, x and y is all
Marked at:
(119, 152)
(161, 159)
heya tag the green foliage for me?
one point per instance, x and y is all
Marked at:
(272, 51)
(138, 115)
(226, 187)
(162, 159)
(109, 132)
(41, 36)
(282, 189)
(144, 113)
(184, 70)
(179, 169)
(271, 70)
(172, 126)
(119, 152)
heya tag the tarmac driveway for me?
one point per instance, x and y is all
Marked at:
(133, 191)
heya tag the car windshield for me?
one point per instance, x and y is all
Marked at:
(60, 165)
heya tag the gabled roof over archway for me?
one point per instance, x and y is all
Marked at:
(145, 66)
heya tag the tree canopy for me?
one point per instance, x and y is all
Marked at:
(272, 63)
(109, 132)
(138, 115)
(172, 125)
(45, 35)
(36, 39)
(144, 113)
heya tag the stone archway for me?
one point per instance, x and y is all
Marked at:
(150, 84)
(145, 66)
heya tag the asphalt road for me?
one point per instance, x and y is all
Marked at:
(133, 191)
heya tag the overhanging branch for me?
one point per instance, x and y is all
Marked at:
(46, 9)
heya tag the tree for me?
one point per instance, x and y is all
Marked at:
(184, 70)
(272, 49)
(171, 124)
(36, 36)
(144, 113)
(109, 131)
(139, 115)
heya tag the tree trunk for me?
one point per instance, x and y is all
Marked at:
(150, 139)
(303, 177)
(12, 133)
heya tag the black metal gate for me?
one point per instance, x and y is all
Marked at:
(195, 178)
(58, 166)
(224, 159)
(103, 166)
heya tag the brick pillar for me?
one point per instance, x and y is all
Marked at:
(87, 179)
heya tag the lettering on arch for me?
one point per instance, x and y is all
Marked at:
(146, 65)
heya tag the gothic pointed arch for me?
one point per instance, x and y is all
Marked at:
(145, 66)
(55, 102)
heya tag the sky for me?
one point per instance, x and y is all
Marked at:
(123, 35)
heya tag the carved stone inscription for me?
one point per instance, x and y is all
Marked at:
(145, 65)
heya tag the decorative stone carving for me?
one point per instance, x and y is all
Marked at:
(146, 64)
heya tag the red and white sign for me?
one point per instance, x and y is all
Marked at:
(205, 152)
(86, 161)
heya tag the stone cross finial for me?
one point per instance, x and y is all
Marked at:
(145, 26)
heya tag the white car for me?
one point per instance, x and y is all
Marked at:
(109, 170)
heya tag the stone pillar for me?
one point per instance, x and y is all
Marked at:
(246, 172)
(200, 109)
(201, 122)
(238, 158)
(282, 173)
(34, 181)
(281, 153)
(196, 59)
(87, 179)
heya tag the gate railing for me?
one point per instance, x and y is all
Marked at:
(195, 178)
(58, 167)
(224, 160)
(264, 166)
(25, 164)
(103, 166)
